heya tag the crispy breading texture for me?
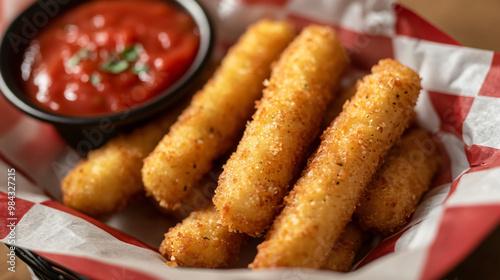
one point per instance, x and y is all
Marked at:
(341, 257)
(212, 123)
(325, 197)
(102, 183)
(398, 185)
(198, 198)
(199, 241)
(338, 104)
(256, 177)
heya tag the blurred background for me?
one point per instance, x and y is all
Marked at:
(472, 23)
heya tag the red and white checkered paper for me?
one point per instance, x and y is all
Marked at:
(459, 103)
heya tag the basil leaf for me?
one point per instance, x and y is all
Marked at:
(132, 53)
(115, 67)
(77, 57)
(74, 60)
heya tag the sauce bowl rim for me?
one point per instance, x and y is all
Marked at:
(17, 96)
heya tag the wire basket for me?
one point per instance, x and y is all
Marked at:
(44, 269)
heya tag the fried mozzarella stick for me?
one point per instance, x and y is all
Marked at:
(256, 177)
(212, 123)
(103, 182)
(325, 197)
(199, 241)
(199, 197)
(398, 185)
(338, 104)
(344, 249)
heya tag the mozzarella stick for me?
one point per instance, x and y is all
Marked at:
(217, 115)
(256, 177)
(111, 175)
(341, 257)
(199, 197)
(325, 197)
(199, 241)
(398, 185)
(338, 104)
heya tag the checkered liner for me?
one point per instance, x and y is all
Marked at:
(459, 104)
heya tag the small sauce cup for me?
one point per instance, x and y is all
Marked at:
(130, 63)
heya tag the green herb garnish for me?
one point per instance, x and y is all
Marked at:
(118, 63)
(131, 53)
(95, 79)
(77, 57)
(115, 67)
(139, 67)
(74, 60)
(84, 53)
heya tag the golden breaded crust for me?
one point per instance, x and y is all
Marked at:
(212, 123)
(103, 182)
(271, 152)
(199, 241)
(344, 250)
(325, 197)
(338, 104)
(398, 185)
(199, 197)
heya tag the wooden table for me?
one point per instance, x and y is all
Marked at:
(472, 23)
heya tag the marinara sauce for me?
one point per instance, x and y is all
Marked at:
(107, 56)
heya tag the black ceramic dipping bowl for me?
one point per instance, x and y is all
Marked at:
(86, 133)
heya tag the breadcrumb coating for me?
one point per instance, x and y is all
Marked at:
(344, 250)
(338, 104)
(256, 177)
(199, 241)
(199, 197)
(212, 123)
(325, 197)
(102, 183)
(398, 185)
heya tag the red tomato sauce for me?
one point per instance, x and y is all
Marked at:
(108, 56)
